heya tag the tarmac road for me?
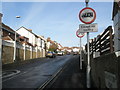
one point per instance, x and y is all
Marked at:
(70, 77)
(33, 75)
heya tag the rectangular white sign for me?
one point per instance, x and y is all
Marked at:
(88, 27)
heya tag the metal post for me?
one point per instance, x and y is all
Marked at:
(80, 54)
(88, 55)
(88, 62)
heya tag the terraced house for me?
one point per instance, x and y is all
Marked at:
(38, 42)
(28, 45)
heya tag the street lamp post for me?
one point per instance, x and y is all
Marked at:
(14, 58)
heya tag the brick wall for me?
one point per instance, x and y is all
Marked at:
(105, 71)
(27, 54)
(19, 54)
(38, 53)
(8, 52)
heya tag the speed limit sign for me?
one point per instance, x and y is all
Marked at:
(79, 34)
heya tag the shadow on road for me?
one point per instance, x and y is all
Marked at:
(70, 77)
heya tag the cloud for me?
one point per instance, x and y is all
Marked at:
(0, 6)
(32, 13)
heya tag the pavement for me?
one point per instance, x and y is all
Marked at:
(17, 64)
(70, 77)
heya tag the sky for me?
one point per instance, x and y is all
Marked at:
(57, 20)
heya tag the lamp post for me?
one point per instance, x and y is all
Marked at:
(14, 58)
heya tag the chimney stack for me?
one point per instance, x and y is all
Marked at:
(30, 30)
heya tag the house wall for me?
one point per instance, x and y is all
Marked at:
(116, 20)
(32, 38)
(48, 45)
(26, 33)
(39, 42)
(76, 50)
(42, 44)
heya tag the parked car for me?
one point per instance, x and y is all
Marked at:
(75, 53)
(68, 53)
(51, 54)
(60, 53)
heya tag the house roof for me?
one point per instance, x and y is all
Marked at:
(10, 30)
(7, 28)
(7, 38)
(49, 40)
(28, 31)
(67, 48)
(42, 38)
(60, 45)
(23, 37)
(75, 47)
(26, 43)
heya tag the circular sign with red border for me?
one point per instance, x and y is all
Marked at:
(79, 34)
(87, 15)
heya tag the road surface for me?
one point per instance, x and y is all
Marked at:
(33, 75)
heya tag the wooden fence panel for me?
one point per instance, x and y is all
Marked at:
(103, 43)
